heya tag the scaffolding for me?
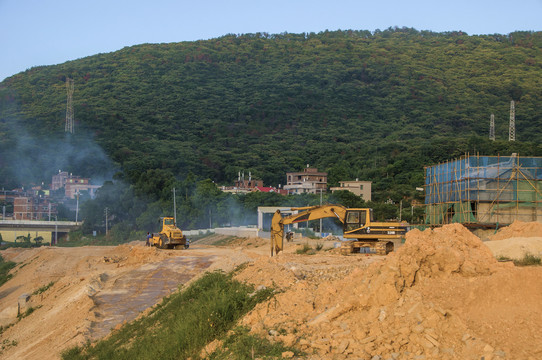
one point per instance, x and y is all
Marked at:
(484, 191)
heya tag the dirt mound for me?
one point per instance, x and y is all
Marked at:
(213, 239)
(519, 229)
(144, 254)
(378, 311)
(265, 271)
(516, 248)
(249, 242)
(443, 251)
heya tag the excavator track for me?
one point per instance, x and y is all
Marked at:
(383, 247)
(376, 247)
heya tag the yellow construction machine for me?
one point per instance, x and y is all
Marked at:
(362, 233)
(170, 237)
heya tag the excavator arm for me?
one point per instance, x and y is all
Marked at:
(304, 214)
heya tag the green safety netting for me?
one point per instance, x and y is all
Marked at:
(438, 214)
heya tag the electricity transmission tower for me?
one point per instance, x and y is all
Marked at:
(69, 106)
(512, 128)
(492, 127)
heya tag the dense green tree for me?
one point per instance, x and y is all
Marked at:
(348, 199)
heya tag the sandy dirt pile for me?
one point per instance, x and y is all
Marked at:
(517, 240)
(518, 229)
(516, 247)
(387, 309)
(287, 269)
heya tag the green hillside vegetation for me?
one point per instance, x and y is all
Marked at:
(374, 106)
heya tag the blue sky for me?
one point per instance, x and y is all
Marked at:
(46, 32)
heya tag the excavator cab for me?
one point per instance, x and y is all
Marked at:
(357, 218)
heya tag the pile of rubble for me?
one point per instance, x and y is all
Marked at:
(378, 311)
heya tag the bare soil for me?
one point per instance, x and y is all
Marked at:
(95, 289)
(442, 295)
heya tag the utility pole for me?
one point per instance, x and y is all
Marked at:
(106, 211)
(492, 127)
(174, 208)
(320, 218)
(69, 106)
(77, 207)
(512, 127)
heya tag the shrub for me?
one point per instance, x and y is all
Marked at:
(5, 267)
(528, 260)
(242, 345)
(43, 289)
(306, 249)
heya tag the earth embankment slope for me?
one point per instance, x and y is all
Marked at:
(88, 291)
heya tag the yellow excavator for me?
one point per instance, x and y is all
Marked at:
(362, 233)
(170, 237)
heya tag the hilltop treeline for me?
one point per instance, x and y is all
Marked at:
(371, 105)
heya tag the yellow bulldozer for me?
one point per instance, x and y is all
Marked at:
(170, 237)
(361, 232)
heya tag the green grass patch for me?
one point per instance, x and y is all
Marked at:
(309, 250)
(194, 238)
(5, 327)
(181, 325)
(527, 260)
(43, 289)
(242, 345)
(5, 267)
(77, 238)
(305, 249)
(28, 311)
(224, 241)
(6, 344)
(90, 241)
(24, 245)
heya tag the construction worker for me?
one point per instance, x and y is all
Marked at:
(149, 236)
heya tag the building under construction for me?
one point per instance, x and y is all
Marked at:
(484, 191)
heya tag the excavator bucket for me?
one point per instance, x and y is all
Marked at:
(277, 233)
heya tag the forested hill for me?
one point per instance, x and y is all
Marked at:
(376, 106)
